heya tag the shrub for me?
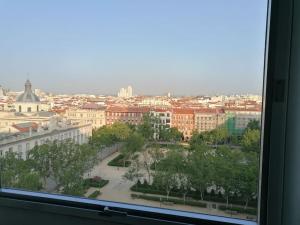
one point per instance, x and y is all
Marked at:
(119, 162)
(96, 182)
(250, 211)
(95, 194)
(212, 197)
(173, 200)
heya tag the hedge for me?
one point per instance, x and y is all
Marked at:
(211, 197)
(250, 211)
(94, 182)
(119, 162)
(95, 194)
(173, 200)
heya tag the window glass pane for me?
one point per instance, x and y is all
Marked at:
(154, 103)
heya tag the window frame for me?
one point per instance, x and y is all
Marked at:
(277, 43)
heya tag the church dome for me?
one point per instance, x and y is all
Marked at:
(28, 95)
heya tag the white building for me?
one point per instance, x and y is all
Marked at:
(2, 92)
(23, 142)
(126, 92)
(89, 114)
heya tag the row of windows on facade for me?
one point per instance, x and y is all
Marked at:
(29, 109)
(76, 138)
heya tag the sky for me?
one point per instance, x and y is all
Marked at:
(186, 47)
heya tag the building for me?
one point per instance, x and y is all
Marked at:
(209, 119)
(155, 102)
(90, 113)
(238, 119)
(184, 120)
(126, 92)
(162, 118)
(123, 114)
(28, 102)
(8, 119)
(2, 92)
(27, 137)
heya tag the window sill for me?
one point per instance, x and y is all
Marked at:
(95, 209)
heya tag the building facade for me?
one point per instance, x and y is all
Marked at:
(238, 119)
(21, 143)
(209, 119)
(130, 115)
(184, 120)
(88, 114)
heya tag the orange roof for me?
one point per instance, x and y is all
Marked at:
(183, 111)
(127, 109)
(208, 110)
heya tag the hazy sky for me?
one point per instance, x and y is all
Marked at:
(185, 47)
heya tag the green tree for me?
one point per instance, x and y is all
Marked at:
(134, 172)
(251, 140)
(156, 155)
(253, 125)
(18, 173)
(109, 135)
(65, 162)
(40, 158)
(170, 134)
(146, 128)
(248, 186)
(133, 144)
(201, 168)
(169, 168)
(227, 170)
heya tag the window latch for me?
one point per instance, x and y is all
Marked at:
(110, 213)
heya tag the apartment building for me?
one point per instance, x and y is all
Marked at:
(238, 119)
(124, 114)
(184, 120)
(209, 119)
(90, 113)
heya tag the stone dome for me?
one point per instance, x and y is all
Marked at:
(28, 95)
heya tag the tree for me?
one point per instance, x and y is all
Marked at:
(109, 135)
(147, 162)
(253, 125)
(133, 144)
(66, 162)
(227, 170)
(251, 140)
(146, 129)
(156, 155)
(121, 131)
(133, 173)
(18, 173)
(201, 168)
(219, 135)
(185, 178)
(168, 171)
(40, 158)
(170, 134)
(249, 177)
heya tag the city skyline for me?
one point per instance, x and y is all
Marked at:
(185, 49)
(117, 94)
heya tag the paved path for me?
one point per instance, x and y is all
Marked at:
(118, 190)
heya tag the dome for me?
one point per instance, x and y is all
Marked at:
(28, 95)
